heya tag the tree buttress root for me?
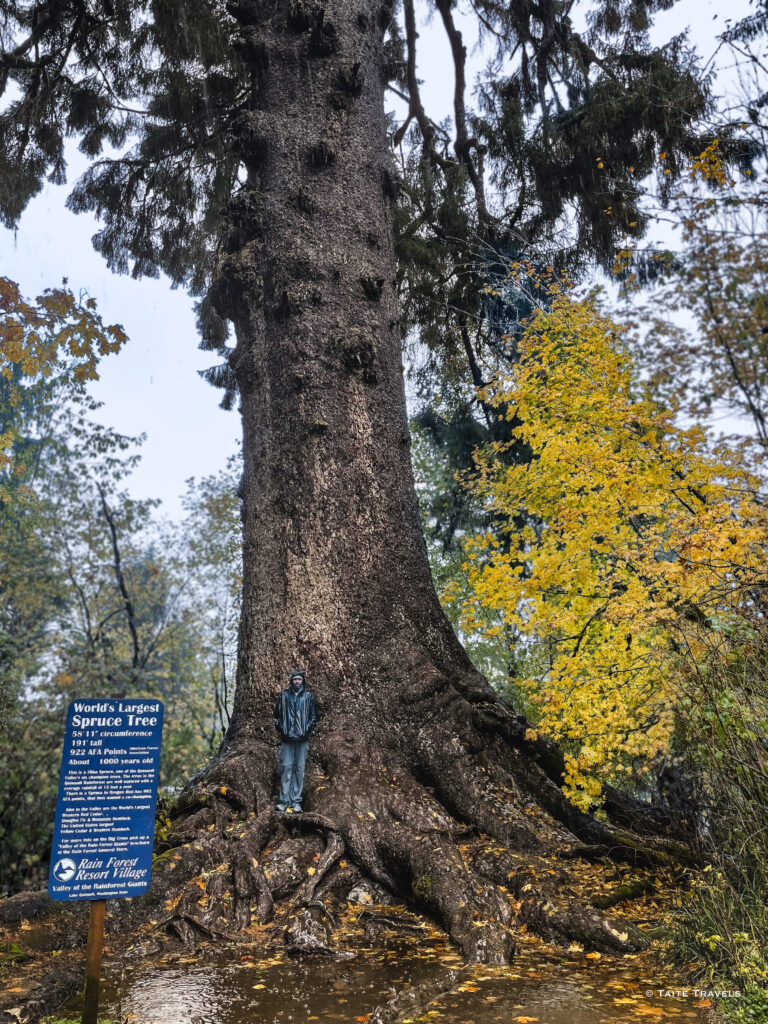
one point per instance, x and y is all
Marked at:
(471, 831)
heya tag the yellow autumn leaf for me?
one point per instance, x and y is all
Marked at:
(643, 521)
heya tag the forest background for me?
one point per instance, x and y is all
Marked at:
(104, 594)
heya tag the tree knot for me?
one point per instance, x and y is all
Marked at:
(357, 356)
(372, 287)
(321, 155)
(310, 17)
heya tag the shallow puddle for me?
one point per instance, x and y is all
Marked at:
(544, 985)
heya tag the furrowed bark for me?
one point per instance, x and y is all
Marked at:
(335, 573)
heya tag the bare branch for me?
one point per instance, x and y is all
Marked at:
(127, 603)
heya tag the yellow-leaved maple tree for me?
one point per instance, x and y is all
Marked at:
(637, 534)
(57, 334)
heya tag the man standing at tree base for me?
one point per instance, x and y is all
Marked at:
(295, 721)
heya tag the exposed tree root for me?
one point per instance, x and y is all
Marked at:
(631, 818)
(628, 891)
(382, 922)
(53, 989)
(549, 906)
(334, 849)
(474, 834)
(398, 806)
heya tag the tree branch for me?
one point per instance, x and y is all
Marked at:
(127, 603)
(463, 145)
(416, 106)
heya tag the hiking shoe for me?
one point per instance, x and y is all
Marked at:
(296, 808)
(280, 807)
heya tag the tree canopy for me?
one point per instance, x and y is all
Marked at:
(550, 152)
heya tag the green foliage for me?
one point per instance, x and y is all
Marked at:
(123, 605)
(723, 922)
(162, 73)
(48, 348)
(445, 523)
(569, 137)
(11, 953)
(751, 1008)
(101, 597)
(720, 278)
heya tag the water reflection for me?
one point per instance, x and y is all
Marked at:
(172, 996)
(230, 988)
(271, 992)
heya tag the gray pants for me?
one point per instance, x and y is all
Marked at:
(292, 758)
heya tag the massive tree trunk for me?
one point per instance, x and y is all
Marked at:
(336, 577)
(433, 787)
(335, 573)
(414, 747)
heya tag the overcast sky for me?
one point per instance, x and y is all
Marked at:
(152, 386)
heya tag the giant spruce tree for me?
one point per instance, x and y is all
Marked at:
(243, 150)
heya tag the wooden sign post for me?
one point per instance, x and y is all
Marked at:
(93, 962)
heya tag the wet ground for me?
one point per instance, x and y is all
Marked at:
(387, 958)
(546, 985)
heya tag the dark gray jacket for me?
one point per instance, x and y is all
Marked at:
(295, 715)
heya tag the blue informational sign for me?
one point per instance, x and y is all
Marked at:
(105, 817)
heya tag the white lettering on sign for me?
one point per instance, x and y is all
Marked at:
(103, 835)
(86, 722)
